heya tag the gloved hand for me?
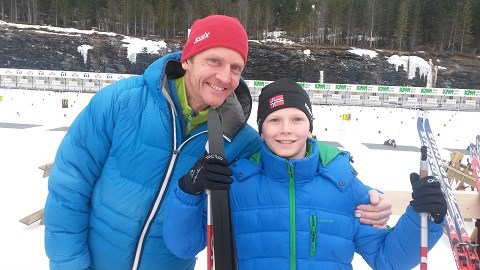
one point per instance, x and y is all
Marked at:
(428, 197)
(211, 171)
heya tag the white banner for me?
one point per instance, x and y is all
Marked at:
(393, 99)
(412, 100)
(471, 103)
(451, 101)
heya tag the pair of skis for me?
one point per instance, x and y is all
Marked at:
(463, 249)
(475, 163)
(221, 253)
(475, 160)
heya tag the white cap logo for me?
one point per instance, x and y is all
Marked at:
(202, 37)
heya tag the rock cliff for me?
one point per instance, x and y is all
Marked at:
(41, 48)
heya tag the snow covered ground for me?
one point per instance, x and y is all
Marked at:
(22, 150)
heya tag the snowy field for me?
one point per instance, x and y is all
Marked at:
(23, 149)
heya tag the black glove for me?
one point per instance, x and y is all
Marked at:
(211, 171)
(428, 197)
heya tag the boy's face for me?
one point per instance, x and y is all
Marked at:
(286, 131)
(211, 76)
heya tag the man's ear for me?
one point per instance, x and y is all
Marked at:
(185, 64)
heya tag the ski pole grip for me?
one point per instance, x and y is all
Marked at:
(423, 153)
(423, 162)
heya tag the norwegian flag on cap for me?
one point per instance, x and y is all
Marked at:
(276, 101)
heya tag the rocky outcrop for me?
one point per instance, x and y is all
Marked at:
(33, 49)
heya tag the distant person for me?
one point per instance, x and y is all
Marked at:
(293, 201)
(390, 142)
(112, 177)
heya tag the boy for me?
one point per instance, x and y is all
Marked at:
(293, 201)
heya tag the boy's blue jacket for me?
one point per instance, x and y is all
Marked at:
(299, 214)
(114, 170)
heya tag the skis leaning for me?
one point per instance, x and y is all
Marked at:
(475, 160)
(220, 238)
(475, 163)
(463, 249)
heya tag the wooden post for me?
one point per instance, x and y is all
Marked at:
(468, 202)
(34, 217)
(46, 169)
(37, 215)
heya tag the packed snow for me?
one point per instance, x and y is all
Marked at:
(23, 150)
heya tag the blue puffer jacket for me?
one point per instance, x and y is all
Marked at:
(298, 214)
(114, 170)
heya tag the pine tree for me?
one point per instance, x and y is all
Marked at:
(467, 22)
(402, 24)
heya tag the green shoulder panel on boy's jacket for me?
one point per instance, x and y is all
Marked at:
(327, 153)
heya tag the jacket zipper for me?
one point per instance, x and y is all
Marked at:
(165, 183)
(313, 234)
(293, 240)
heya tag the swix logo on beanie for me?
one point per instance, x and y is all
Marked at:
(202, 37)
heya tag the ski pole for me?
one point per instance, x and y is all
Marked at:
(210, 258)
(423, 216)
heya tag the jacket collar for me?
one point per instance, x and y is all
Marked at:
(277, 167)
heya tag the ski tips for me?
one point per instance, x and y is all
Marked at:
(420, 113)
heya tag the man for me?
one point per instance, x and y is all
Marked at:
(110, 183)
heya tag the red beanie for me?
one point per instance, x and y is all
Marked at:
(216, 31)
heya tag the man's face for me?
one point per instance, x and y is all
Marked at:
(211, 76)
(286, 131)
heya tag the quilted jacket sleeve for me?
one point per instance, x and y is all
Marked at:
(398, 248)
(184, 229)
(78, 164)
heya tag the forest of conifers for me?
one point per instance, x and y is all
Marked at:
(435, 25)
